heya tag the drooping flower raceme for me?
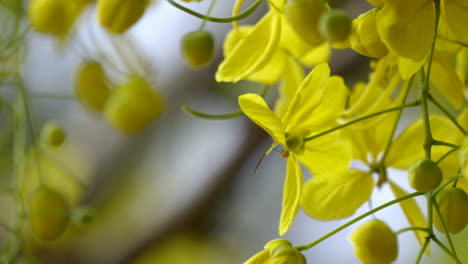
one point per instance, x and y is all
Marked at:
(317, 103)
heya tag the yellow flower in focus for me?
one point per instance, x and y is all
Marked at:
(365, 39)
(133, 105)
(374, 242)
(119, 15)
(317, 103)
(279, 251)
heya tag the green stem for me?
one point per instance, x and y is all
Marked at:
(428, 140)
(421, 251)
(442, 186)
(241, 16)
(189, 110)
(444, 226)
(357, 120)
(447, 114)
(210, 9)
(442, 246)
(321, 239)
(397, 120)
(447, 154)
(413, 228)
(51, 96)
(443, 143)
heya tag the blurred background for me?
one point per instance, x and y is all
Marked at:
(185, 189)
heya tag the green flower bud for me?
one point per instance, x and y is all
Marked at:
(49, 214)
(198, 48)
(374, 242)
(52, 135)
(424, 175)
(303, 16)
(453, 204)
(335, 26)
(133, 105)
(119, 15)
(91, 86)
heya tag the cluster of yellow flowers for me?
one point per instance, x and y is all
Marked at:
(321, 123)
(317, 121)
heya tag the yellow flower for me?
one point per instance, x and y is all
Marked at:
(119, 15)
(279, 251)
(317, 103)
(262, 53)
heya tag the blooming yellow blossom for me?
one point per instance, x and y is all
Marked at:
(315, 106)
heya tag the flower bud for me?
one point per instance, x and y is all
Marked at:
(424, 175)
(52, 135)
(365, 39)
(53, 17)
(91, 86)
(335, 26)
(197, 48)
(119, 15)
(49, 214)
(303, 16)
(375, 242)
(133, 105)
(453, 204)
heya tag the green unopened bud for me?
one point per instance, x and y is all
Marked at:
(374, 242)
(92, 86)
(425, 175)
(282, 251)
(198, 48)
(52, 135)
(119, 15)
(303, 16)
(133, 105)
(335, 26)
(49, 214)
(453, 204)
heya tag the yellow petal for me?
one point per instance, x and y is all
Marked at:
(326, 156)
(365, 39)
(253, 52)
(412, 212)
(456, 12)
(407, 29)
(272, 71)
(307, 98)
(260, 258)
(256, 109)
(291, 195)
(309, 55)
(445, 79)
(408, 67)
(446, 40)
(293, 76)
(330, 200)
